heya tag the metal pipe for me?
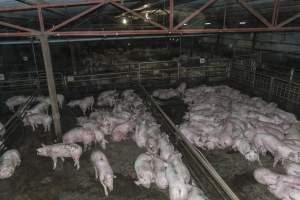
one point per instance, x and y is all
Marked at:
(97, 39)
(35, 64)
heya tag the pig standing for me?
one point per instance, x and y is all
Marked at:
(14, 101)
(36, 119)
(61, 151)
(84, 104)
(144, 169)
(180, 167)
(166, 149)
(8, 163)
(121, 131)
(196, 194)
(42, 107)
(103, 171)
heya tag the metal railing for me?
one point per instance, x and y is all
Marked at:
(285, 92)
(201, 170)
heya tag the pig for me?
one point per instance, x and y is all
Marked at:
(61, 151)
(14, 101)
(165, 94)
(178, 189)
(84, 104)
(160, 178)
(292, 168)
(180, 167)
(38, 119)
(2, 130)
(282, 186)
(140, 135)
(42, 107)
(79, 134)
(196, 194)
(85, 135)
(144, 169)
(166, 149)
(243, 146)
(121, 131)
(269, 143)
(103, 171)
(8, 163)
(60, 100)
(152, 145)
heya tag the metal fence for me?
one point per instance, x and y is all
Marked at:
(284, 91)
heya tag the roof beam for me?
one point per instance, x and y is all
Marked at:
(195, 13)
(54, 5)
(17, 27)
(276, 4)
(289, 20)
(49, 10)
(137, 15)
(255, 13)
(87, 11)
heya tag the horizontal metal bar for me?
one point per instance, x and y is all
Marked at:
(54, 5)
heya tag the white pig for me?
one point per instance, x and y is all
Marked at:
(42, 107)
(166, 149)
(178, 189)
(38, 119)
(15, 101)
(103, 171)
(180, 167)
(196, 194)
(61, 151)
(292, 168)
(160, 178)
(8, 163)
(144, 169)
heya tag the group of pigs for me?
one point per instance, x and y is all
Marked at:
(160, 164)
(120, 117)
(221, 117)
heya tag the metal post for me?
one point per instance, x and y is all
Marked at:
(35, 64)
(254, 76)
(178, 70)
(291, 75)
(73, 58)
(51, 84)
(139, 75)
(270, 93)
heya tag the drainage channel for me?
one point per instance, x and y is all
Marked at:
(204, 174)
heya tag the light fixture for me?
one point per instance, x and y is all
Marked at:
(146, 6)
(124, 21)
(207, 23)
(185, 24)
(243, 23)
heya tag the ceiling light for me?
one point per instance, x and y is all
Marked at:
(124, 21)
(243, 23)
(146, 6)
(185, 24)
(207, 23)
(147, 16)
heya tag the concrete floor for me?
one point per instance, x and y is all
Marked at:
(35, 179)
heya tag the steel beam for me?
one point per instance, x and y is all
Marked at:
(17, 27)
(275, 12)
(51, 85)
(195, 13)
(255, 13)
(41, 20)
(64, 23)
(289, 20)
(109, 33)
(53, 5)
(138, 15)
(171, 15)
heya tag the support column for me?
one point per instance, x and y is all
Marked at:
(51, 84)
(73, 58)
